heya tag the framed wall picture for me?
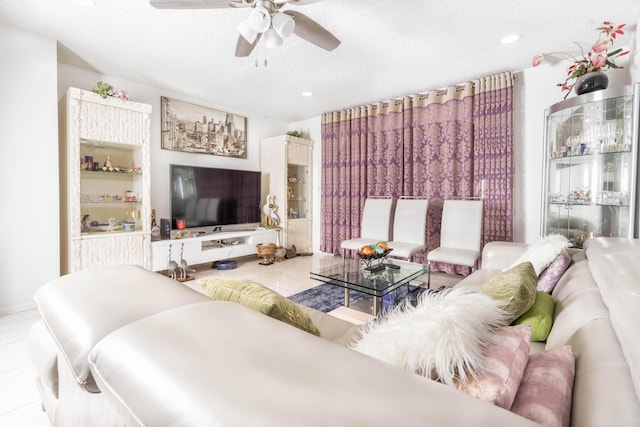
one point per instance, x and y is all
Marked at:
(195, 129)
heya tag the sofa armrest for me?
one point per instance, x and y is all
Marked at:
(43, 354)
(79, 309)
(500, 255)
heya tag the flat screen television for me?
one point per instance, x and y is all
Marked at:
(204, 196)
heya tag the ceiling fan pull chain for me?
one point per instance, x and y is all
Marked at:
(256, 58)
(265, 53)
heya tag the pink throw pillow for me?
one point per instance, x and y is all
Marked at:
(504, 364)
(550, 277)
(547, 386)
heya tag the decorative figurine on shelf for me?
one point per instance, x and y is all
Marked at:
(172, 266)
(184, 266)
(108, 165)
(155, 230)
(270, 210)
(84, 226)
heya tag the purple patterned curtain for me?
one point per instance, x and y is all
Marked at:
(454, 143)
(492, 154)
(360, 158)
(438, 140)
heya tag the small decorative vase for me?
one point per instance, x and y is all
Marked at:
(266, 252)
(590, 82)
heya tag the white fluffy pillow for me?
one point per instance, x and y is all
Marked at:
(542, 252)
(443, 337)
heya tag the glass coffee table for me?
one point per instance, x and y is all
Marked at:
(352, 275)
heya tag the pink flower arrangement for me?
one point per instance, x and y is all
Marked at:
(105, 89)
(599, 58)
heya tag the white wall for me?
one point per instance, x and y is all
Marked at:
(28, 168)
(258, 127)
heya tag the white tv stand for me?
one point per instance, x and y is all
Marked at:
(213, 246)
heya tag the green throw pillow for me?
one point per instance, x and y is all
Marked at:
(539, 316)
(259, 298)
(516, 287)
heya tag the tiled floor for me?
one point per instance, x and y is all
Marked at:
(19, 400)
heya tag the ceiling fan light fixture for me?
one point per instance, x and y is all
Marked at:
(247, 32)
(283, 24)
(272, 39)
(259, 19)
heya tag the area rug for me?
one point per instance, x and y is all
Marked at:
(327, 297)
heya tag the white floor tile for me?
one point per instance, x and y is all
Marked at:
(17, 389)
(30, 415)
(13, 356)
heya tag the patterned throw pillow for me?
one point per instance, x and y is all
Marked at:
(546, 388)
(550, 277)
(259, 298)
(503, 365)
(516, 288)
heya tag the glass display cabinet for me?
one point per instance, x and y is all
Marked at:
(297, 197)
(591, 162)
(287, 173)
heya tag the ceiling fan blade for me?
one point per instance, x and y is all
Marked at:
(244, 48)
(308, 29)
(197, 4)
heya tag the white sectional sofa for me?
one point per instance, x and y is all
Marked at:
(122, 346)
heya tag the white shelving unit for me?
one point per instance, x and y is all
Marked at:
(104, 153)
(210, 247)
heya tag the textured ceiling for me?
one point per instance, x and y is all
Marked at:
(389, 47)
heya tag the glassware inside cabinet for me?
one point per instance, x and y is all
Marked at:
(297, 191)
(110, 187)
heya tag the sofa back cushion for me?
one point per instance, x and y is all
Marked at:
(81, 308)
(597, 314)
(617, 276)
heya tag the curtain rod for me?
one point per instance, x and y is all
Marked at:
(439, 92)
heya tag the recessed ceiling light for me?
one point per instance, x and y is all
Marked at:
(510, 39)
(307, 93)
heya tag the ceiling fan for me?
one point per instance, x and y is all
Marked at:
(266, 18)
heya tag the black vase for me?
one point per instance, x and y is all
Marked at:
(590, 82)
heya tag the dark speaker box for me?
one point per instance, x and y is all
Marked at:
(165, 229)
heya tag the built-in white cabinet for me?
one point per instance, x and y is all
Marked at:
(286, 164)
(216, 246)
(105, 184)
(591, 165)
